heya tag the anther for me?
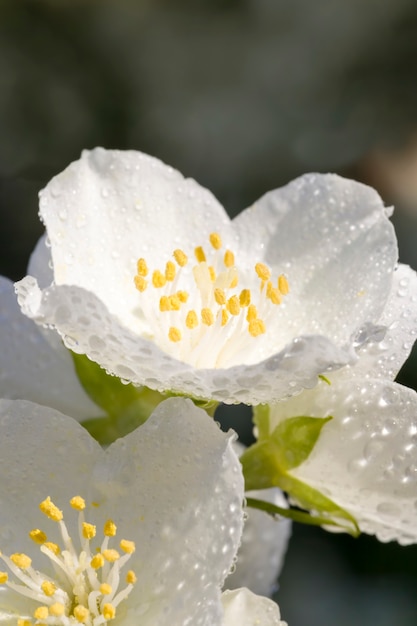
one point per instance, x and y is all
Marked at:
(263, 271)
(256, 327)
(111, 555)
(81, 614)
(174, 303)
(283, 285)
(131, 577)
(200, 254)
(142, 267)
(158, 279)
(180, 257)
(164, 304)
(109, 612)
(41, 612)
(50, 510)
(244, 298)
(140, 283)
(57, 609)
(225, 317)
(216, 241)
(105, 589)
(212, 273)
(252, 313)
(48, 588)
(229, 258)
(174, 334)
(53, 547)
(21, 560)
(207, 317)
(183, 296)
(191, 321)
(38, 536)
(77, 502)
(4, 577)
(89, 531)
(127, 546)
(220, 296)
(97, 561)
(170, 271)
(110, 528)
(233, 305)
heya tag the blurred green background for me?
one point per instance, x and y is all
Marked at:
(242, 95)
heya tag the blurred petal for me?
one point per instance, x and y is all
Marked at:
(244, 608)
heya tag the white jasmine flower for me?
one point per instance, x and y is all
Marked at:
(365, 458)
(153, 281)
(142, 532)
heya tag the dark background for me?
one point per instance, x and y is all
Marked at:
(242, 95)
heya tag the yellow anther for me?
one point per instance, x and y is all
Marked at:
(220, 296)
(275, 296)
(174, 334)
(110, 528)
(233, 305)
(81, 614)
(57, 609)
(23, 622)
(89, 531)
(191, 321)
(234, 278)
(229, 258)
(131, 577)
(77, 503)
(109, 612)
(50, 510)
(158, 279)
(127, 546)
(41, 612)
(252, 313)
(256, 327)
(244, 297)
(140, 283)
(21, 560)
(180, 257)
(216, 241)
(164, 304)
(38, 536)
(200, 254)
(212, 273)
(111, 555)
(53, 547)
(263, 271)
(207, 317)
(183, 296)
(225, 317)
(283, 285)
(105, 589)
(48, 588)
(170, 271)
(142, 267)
(174, 303)
(4, 577)
(97, 561)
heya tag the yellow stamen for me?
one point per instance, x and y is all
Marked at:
(200, 254)
(21, 560)
(23, 622)
(225, 317)
(164, 303)
(53, 547)
(233, 305)
(127, 546)
(48, 588)
(38, 536)
(81, 614)
(142, 267)
(170, 271)
(158, 279)
(263, 271)
(4, 577)
(216, 241)
(212, 273)
(77, 503)
(41, 612)
(283, 285)
(180, 257)
(256, 327)
(50, 510)
(174, 303)
(234, 278)
(244, 298)
(110, 528)
(174, 334)
(252, 313)
(109, 612)
(97, 561)
(105, 589)
(191, 321)
(275, 296)
(57, 609)
(183, 296)
(140, 283)
(131, 577)
(220, 296)
(89, 531)
(111, 555)
(207, 317)
(229, 258)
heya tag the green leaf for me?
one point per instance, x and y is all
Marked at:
(295, 438)
(261, 420)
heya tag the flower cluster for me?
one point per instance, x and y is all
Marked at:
(144, 307)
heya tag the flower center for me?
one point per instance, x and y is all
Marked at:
(84, 587)
(216, 311)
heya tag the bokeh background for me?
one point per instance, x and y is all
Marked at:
(242, 95)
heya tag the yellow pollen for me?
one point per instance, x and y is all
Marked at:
(109, 612)
(38, 536)
(225, 317)
(180, 257)
(183, 296)
(283, 285)
(97, 561)
(200, 254)
(110, 528)
(263, 271)
(174, 334)
(220, 296)
(41, 612)
(140, 283)
(174, 303)
(23, 622)
(216, 241)
(81, 614)
(131, 577)
(229, 258)
(57, 609)
(191, 321)
(164, 304)
(244, 298)
(127, 546)
(142, 267)
(212, 273)
(50, 510)
(48, 588)
(252, 313)
(4, 577)
(53, 547)
(158, 279)
(21, 560)
(256, 327)
(275, 296)
(111, 555)
(105, 589)
(170, 271)
(233, 305)
(89, 531)
(207, 317)
(77, 503)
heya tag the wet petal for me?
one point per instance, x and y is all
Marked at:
(244, 608)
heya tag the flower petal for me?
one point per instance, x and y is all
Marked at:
(244, 608)
(35, 364)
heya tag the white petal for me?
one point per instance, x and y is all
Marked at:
(244, 608)
(264, 543)
(40, 263)
(365, 458)
(34, 363)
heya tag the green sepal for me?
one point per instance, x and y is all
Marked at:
(295, 438)
(261, 420)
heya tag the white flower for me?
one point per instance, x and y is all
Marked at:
(147, 530)
(153, 281)
(365, 458)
